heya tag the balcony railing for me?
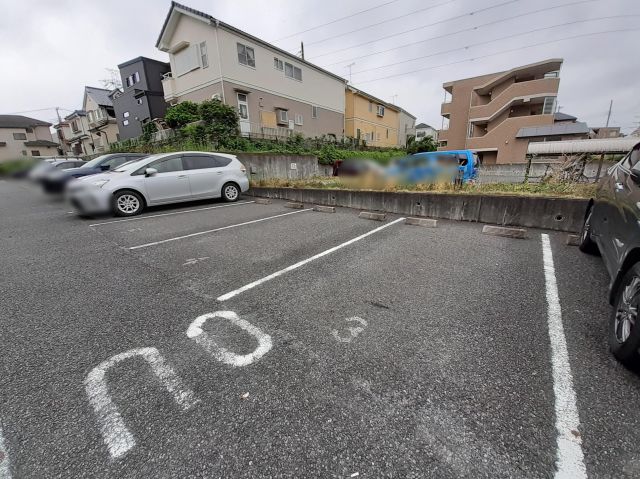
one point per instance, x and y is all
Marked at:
(169, 87)
(445, 108)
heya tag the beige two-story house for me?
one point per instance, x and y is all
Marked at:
(101, 118)
(73, 134)
(21, 136)
(276, 93)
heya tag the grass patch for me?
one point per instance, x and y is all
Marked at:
(556, 189)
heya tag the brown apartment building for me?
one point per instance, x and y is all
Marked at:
(497, 115)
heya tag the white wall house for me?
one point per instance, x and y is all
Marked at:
(21, 136)
(423, 130)
(272, 89)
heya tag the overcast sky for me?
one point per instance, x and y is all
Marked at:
(50, 50)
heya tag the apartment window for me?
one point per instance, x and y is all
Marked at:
(548, 107)
(132, 79)
(246, 55)
(35, 152)
(470, 130)
(380, 110)
(292, 71)
(139, 101)
(314, 111)
(204, 57)
(278, 64)
(283, 117)
(554, 74)
(125, 114)
(298, 119)
(125, 123)
(19, 136)
(74, 126)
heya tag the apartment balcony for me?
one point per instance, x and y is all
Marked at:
(445, 109)
(443, 135)
(517, 92)
(506, 132)
(169, 87)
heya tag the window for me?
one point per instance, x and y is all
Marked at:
(370, 106)
(35, 153)
(132, 79)
(292, 71)
(28, 130)
(283, 116)
(358, 133)
(19, 136)
(470, 130)
(277, 64)
(185, 60)
(204, 57)
(24, 152)
(548, 107)
(246, 55)
(554, 74)
(125, 123)
(139, 101)
(298, 119)
(387, 133)
(314, 111)
(164, 165)
(125, 114)
(198, 162)
(74, 126)
(380, 110)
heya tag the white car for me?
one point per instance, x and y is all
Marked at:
(157, 180)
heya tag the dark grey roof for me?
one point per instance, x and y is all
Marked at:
(559, 116)
(40, 143)
(76, 113)
(19, 121)
(213, 21)
(142, 59)
(99, 95)
(562, 128)
(424, 125)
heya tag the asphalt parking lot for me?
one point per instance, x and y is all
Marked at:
(249, 340)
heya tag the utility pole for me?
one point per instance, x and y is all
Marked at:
(349, 67)
(393, 98)
(602, 154)
(302, 50)
(60, 135)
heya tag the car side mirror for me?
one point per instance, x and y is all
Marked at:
(104, 167)
(150, 172)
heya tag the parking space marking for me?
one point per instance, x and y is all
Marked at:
(222, 354)
(5, 471)
(145, 217)
(297, 265)
(354, 331)
(199, 233)
(115, 434)
(570, 457)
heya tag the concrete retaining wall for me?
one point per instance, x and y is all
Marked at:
(560, 214)
(261, 166)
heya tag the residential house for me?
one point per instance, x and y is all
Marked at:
(423, 130)
(73, 134)
(141, 99)
(276, 93)
(370, 120)
(605, 132)
(22, 136)
(101, 118)
(635, 133)
(406, 127)
(498, 114)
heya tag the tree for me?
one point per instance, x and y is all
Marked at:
(425, 144)
(179, 115)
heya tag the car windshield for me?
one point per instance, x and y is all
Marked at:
(124, 166)
(95, 162)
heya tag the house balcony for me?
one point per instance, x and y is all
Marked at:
(169, 87)
(517, 92)
(97, 123)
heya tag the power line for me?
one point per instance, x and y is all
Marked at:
(40, 109)
(418, 28)
(501, 52)
(336, 20)
(494, 22)
(466, 47)
(388, 20)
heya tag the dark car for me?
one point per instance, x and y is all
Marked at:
(55, 181)
(612, 228)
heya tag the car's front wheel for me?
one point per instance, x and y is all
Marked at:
(127, 203)
(624, 333)
(230, 192)
(587, 245)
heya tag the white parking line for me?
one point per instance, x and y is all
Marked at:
(168, 214)
(246, 287)
(570, 458)
(5, 471)
(216, 229)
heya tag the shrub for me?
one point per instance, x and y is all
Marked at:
(425, 144)
(179, 115)
(220, 120)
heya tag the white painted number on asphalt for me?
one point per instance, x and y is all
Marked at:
(222, 354)
(354, 331)
(192, 261)
(115, 434)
